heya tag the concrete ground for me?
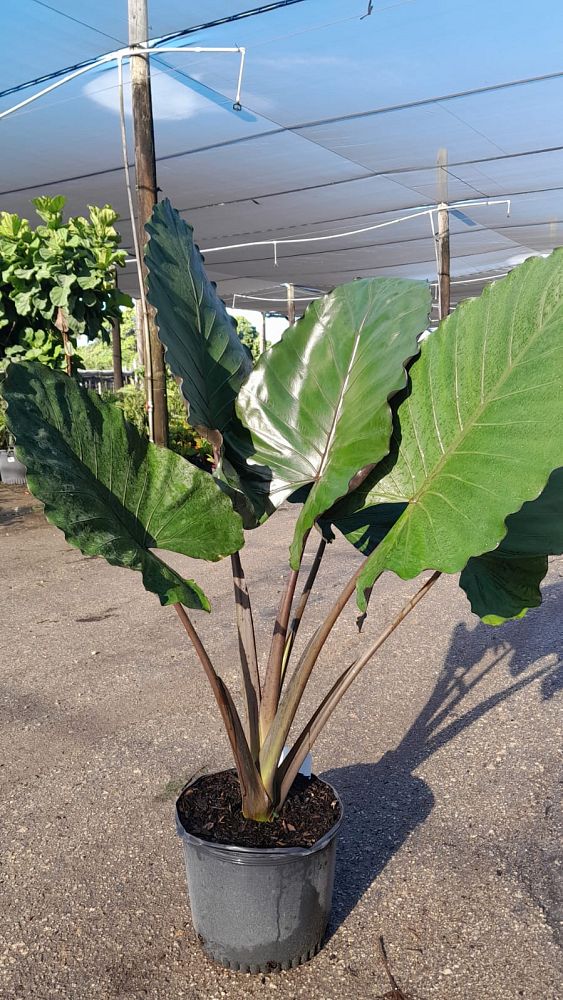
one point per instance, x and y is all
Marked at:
(445, 753)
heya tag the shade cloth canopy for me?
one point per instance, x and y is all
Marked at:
(345, 117)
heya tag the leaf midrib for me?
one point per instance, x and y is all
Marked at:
(343, 389)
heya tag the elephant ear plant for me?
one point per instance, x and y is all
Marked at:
(443, 457)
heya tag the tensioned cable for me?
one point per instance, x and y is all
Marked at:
(353, 178)
(363, 215)
(254, 297)
(69, 17)
(322, 237)
(423, 101)
(126, 52)
(390, 267)
(356, 270)
(262, 298)
(129, 51)
(472, 281)
(160, 40)
(389, 243)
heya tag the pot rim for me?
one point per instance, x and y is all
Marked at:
(258, 854)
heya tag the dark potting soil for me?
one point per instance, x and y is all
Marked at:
(211, 809)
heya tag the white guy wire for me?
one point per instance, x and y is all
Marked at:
(471, 281)
(118, 57)
(427, 210)
(314, 239)
(59, 83)
(260, 298)
(140, 278)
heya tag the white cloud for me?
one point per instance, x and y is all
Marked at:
(171, 98)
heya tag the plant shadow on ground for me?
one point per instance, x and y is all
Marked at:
(385, 802)
(24, 515)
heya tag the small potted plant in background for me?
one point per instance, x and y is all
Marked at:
(444, 458)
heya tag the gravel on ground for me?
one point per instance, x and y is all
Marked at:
(446, 754)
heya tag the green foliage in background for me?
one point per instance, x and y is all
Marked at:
(98, 356)
(58, 275)
(248, 335)
(182, 438)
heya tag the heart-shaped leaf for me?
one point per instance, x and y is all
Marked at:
(316, 405)
(202, 346)
(480, 432)
(110, 490)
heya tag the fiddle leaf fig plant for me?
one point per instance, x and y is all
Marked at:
(444, 457)
(58, 282)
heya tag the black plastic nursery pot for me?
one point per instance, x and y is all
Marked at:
(260, 909)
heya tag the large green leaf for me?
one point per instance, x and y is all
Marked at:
(480, 432)
(316, 405)
(506, 582)
(202, 347)
(501, 584)
(112, 492)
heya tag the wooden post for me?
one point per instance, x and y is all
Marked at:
(443, 239)
(262, 334)
(145, 173)
(290, 304)
(116, 353)
(444, 260)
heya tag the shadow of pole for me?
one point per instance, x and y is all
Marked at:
(385, 802)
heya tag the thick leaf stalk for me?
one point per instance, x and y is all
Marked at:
(248, 654)
(256, 803)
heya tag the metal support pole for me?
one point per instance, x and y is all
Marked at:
(262, 334)
(145, 173)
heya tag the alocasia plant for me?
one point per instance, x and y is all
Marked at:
(445, 457)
